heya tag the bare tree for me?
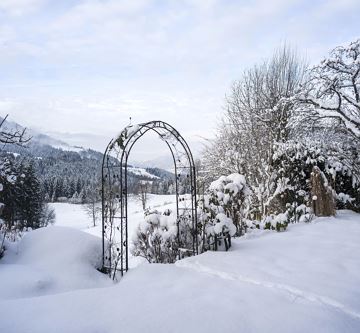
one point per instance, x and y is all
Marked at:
(92, 206)
(17, 136)
(141, 191)
(93, 209)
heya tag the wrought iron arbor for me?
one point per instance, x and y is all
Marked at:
(115, 192)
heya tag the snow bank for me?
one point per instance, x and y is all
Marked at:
(316, 263)
(51, 260)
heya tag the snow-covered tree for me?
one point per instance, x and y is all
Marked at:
(331, 95)
(280, 123)
(16, 137)
(29, 198)
(258, 111)
(24, 200)
(8, 177)
(293, 165)
(328, 111)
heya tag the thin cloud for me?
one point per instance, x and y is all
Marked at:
(20, 7)
(87, 66)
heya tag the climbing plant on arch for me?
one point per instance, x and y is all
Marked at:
(115, 243)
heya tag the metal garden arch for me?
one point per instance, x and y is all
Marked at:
(115, 192)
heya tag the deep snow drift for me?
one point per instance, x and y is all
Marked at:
(303, 280)
(51, 260)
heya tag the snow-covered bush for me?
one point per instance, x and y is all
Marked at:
(293, 164)
(156, 238)
(303, 214)
(223, 209)
(228, 195)
(280, 222)
(271, 222)
(224, 225)
(276, 222)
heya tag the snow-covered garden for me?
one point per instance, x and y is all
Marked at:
(302, 280)
(260, 234)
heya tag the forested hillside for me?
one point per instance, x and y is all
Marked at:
(73, 174)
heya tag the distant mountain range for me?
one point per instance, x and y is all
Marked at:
(36, 137)
(58, 162)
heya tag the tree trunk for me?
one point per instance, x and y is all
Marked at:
(322, 198)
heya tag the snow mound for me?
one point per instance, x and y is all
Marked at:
(56, 247)
(52, 260)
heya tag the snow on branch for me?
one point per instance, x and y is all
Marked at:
(332, 90)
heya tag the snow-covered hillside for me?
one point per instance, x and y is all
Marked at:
(44, 147)
(303, 280)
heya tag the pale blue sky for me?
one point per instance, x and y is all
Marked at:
(86, 66)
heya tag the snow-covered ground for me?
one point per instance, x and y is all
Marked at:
(74, 216)
(306, 279)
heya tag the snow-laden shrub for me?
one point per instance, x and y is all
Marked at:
(156, 238)
(280, 222)
(222, 211)
(303, 214)
(228, 195)
(276, 222)
(298, 213)
(293, 163)
(271, 222)
(10, 234)
(224, 225)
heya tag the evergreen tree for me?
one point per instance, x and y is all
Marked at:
(78, 185)
(72, 188)
(29, 198)
(8, 193)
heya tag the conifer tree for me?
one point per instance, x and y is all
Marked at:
(29, 198)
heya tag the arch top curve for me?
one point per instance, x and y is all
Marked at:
(115, 191)
(123, 143)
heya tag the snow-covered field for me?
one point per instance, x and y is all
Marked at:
(74, 216)
(306, 279)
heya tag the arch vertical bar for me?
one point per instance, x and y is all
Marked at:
(121, 199)
(126, 219)
(194, 199)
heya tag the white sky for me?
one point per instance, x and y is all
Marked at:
(84, 67)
